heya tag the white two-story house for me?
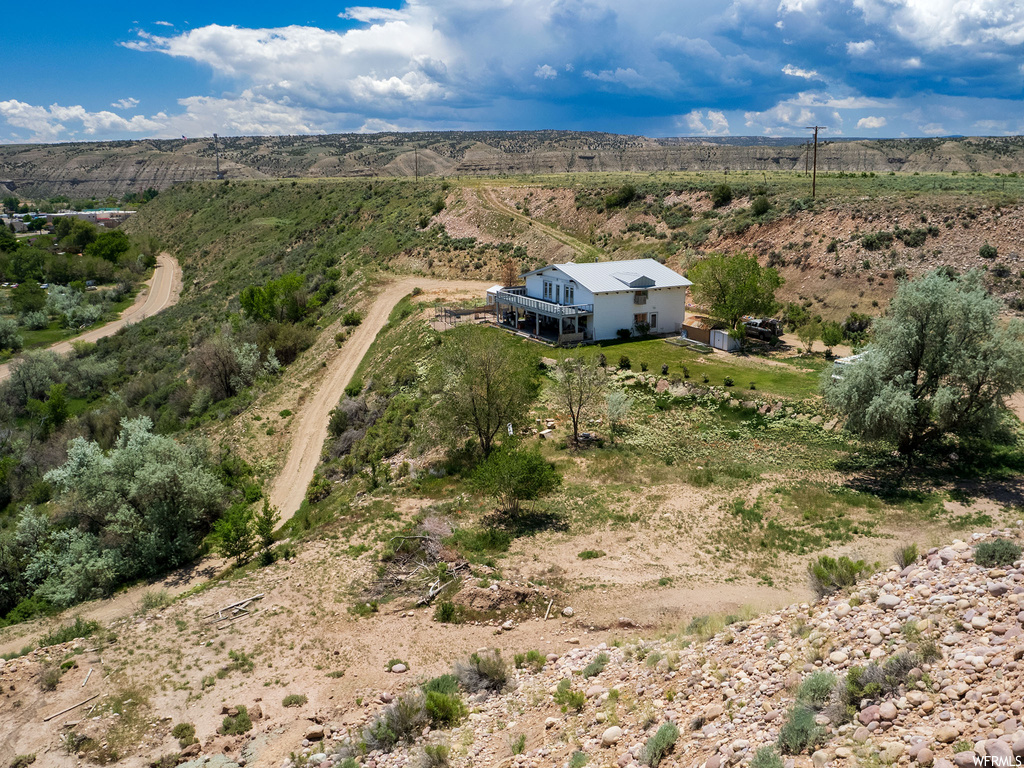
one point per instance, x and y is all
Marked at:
(572, 303)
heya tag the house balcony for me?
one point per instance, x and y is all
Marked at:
(516, 297)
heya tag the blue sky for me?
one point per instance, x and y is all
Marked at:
(872, 68)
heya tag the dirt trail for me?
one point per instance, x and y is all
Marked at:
(490, 198)
(290, 487)
(162, 290)
(308, 439)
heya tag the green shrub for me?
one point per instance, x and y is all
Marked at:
(800, 733)
(875, 241)
(482, 671)
(829, 574)
(319, 488)
(402, 720)
(69, 632)
(864, 683)
(446, 684)
(238, 724)
(721, 195)
(447, 612)
(517, 744)
(767, 757)
(660, 744)
(998, 552)
(905, 555)
(354, 387)
(185, 733)
(445, 710)
(578, 759)
(567, 698)
(816, 689)
(294, 700)
(760, 206)
(532, 659)
(625, 364)
(49, 676)
(621, 197)
(596, 667)
(988, 251)
(351, 318)
(435, 756)
(591, 554)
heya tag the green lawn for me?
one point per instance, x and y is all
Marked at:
(46, 336)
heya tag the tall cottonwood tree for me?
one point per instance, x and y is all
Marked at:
(487, 380)
(941, 363)
(734, 286)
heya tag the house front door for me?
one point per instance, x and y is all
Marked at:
(654, 321)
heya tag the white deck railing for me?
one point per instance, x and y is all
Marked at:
(513, 298)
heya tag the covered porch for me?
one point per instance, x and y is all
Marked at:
(558, 323)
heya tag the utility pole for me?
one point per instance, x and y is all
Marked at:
(814, 178)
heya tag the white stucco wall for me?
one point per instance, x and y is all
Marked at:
(615, 310)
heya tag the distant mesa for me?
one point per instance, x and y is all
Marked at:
(100, 169)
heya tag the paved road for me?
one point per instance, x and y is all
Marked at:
(161, 291)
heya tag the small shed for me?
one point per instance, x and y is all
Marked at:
(492, 293)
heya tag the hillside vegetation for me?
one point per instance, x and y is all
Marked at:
(121, 167)
(701, 483)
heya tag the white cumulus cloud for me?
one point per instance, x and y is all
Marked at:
(936, 24)
(545, 72)
(51, 123)
(128, 103)
(807, 74)
(871, 123)
(860, 48)
(710, 123)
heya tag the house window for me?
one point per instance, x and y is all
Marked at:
(570, 294)
(640, 297)
(558, 293)
(547, 290)
(640, 319)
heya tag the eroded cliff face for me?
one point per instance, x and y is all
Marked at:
(113, 168)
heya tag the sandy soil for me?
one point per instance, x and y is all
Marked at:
(161, 291)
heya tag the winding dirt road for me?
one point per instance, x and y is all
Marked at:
(162, 290)
(303, 454)
(490, 198)
(308, 439)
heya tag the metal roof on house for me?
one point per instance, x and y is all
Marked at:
(610, 276)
